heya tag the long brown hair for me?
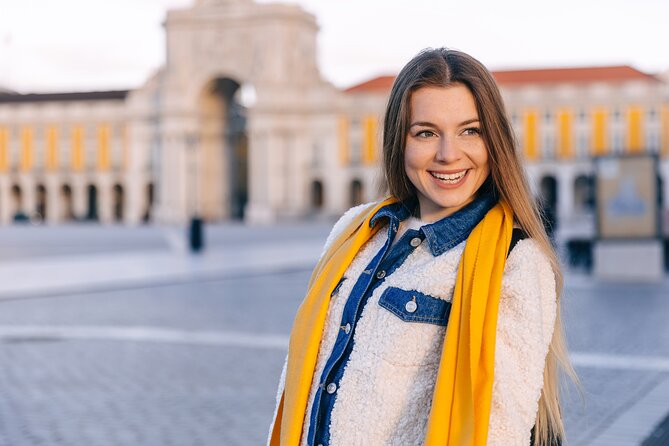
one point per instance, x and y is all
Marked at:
(443, 67)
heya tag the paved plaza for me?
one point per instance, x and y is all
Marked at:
(118, 336)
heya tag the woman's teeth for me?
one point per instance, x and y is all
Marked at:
(449, 178)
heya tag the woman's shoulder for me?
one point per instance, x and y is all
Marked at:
(344, 221)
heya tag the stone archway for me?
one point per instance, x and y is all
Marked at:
(583, 193)
(202, 128)
(17, 203)
(41, 203)
(150, 199)
(92, 201)
(118, 202)
(549, 191)
(356, 193)
(317, 195)
(548, 202)
(67, 202)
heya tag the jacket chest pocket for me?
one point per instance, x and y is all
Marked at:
(411, 326)
(413, 306)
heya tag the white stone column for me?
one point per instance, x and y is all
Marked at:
(134, 198)
(5, 199)
(258, 209)
(565, 178)
(141, 143)
(29, 203)
(300, 186)
(173, 204)
(54, 206)
(105, 201)
(209, 159)
(79, 196)
(664, 211)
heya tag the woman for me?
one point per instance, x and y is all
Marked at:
(428, 319)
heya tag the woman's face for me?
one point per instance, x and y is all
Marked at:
(445, 156)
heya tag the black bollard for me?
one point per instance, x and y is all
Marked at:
(196, 235)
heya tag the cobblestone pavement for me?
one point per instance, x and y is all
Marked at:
(197, 362)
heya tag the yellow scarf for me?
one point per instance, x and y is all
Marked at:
(461, 403)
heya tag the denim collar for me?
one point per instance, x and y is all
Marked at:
(448, 232)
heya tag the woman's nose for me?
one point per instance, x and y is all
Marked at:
(447, 151)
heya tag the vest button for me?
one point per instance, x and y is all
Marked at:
(381, 274)
(415, 242)
(331, 388)
(411, 306)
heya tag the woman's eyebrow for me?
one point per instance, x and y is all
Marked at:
(422, 124)
(468, 121)
(429, 124)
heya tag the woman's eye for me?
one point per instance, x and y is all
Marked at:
(472, 131)
(425, 134)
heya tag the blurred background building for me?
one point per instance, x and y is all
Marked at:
(240, 124)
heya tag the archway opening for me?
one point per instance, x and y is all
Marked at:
(118, 202)
(317, 195)
(17, 204)
(223, 108)
(355, 193)
(548, 203)
(40, 203)
(548, 188)
(66, 200)
(92, 213)
(584, 194)
(150, 192)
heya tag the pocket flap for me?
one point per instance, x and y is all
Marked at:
(414, 306)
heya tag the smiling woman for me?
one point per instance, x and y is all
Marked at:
(432, 316)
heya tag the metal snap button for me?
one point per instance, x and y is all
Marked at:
(411, 306)
(331, 388)
(415, 242)
(381, 274)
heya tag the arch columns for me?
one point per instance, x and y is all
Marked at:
(565, 177)
(79, 196)
(176, 189)
(105, 201)
(54, 203)
(5, 199)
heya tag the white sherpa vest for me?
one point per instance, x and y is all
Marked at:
(386, 390)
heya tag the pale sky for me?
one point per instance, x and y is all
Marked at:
(80, 45)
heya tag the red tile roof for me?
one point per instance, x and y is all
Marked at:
(571, 75)
(377, 84)
(535, 76)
